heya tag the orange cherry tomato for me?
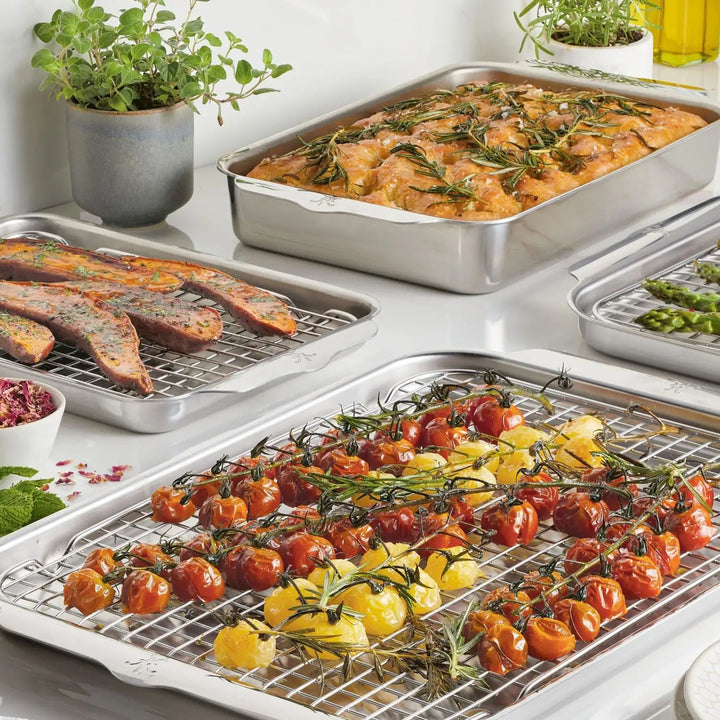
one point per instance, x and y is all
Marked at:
(548, 638)
(252, 568)
(349, 540)
(302, 552)
(605, 595)
(338, 462)
(664, 550)
(196, 579)
(145, 555)
(637, 575)
(541, 586)
(388, 454)
(171, 505)
(198, 546)
(480, 621)
(222, 512)
(582, 619)
(86, 590)
(101, 560)
(583, 551)
(203, 489)
(692, 527)
(262, 496)
(513, 604)
(512, 523)
(502, 649)
(699, 485)
(578, 514)
(144, 592)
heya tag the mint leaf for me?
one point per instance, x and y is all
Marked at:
(14, 470)
(44, 504)
(15, 510)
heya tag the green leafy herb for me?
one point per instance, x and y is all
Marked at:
(26, 501)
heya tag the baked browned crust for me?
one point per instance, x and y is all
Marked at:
(482, 151)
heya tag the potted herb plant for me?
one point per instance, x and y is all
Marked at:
(131, 83)
(606, 35)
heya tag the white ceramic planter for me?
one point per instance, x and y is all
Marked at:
(634, 60)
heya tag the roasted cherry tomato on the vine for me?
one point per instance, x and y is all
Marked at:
(295, 484)
(513, 523)
(253, 568)
(395, 525)
(463, 513)
(411, 430)
(441, 434)
(541, 587)
(145, 555)
(443, 411)
(698, 486)
(222, 512)
(198, 545)
(583, 551)
(637, 575)
(542, 497)
(578, 514)
(513, 604)
(616, 530)
(625, 490)
(383, 609)
(245, 645)
(262, 496)
(171, 505)
(338, 462)
(101, 560)
(302, 552)
(692, 527)
(440, 532)
(144, 592)
(492, 414)
(349, 540)
(605, 595)
(548, 638)
(197, 579)
(582, 619)
(502, 649)
(388, 454)
(664, 550)
(86, 590)
(203, 489)
(480, 621)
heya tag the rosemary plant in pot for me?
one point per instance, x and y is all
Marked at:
(606, 35)
(132, 82)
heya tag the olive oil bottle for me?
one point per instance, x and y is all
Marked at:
(685, 31)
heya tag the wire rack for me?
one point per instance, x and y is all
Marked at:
(625, 306)
(175, 374)
(186, 631)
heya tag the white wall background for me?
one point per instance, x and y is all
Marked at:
(341, 51)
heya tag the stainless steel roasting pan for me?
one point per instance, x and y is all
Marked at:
(609, 295)
(172, 650)
(465, 256)
(330, 320)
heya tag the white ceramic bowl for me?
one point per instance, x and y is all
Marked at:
(29, 445)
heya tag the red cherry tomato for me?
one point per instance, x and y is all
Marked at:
(542, 498)
(443, 436)
(605, 476)
(198, 546)
(583, 551)
(262, 496)
(410, 429)
(220, 512)
(396, 525)
(692, 527)
(252, 568)
(204, 489)
(170, 505)
(338, 462)
(349, 540)
(197, 579)
(492, 414)
(513, 604)
(144, 555)
(439, 531)
(144, 592)
(444, 411)
(513, 523)
(86, 590)
(696, 486)
(605, 595)
(302, 552)
(582, 619)
(502, 649)
(390, 455)
(463, 512)
(664, 550)
(548, 638)
(295, 484)
(579, 515)
(101, 560)
(637, 575)
(543, 587)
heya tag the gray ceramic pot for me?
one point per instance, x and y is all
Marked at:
(131, 168)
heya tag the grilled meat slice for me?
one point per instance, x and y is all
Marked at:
(255, 309)
(104, 333)
(47, 261)
(173, 323)
(23, 339)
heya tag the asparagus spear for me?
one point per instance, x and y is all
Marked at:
(708, 272)
(667, 320)
(678, 295)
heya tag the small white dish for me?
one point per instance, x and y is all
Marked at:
(29, 444)
(679, 707)
(701, 688)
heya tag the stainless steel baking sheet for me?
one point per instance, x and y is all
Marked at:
(173, 649)
(465, 256)
(330, 320)
(609, 295)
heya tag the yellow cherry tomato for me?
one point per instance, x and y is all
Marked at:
(453, 569)
(347, 634)
(383, 609)
(471, 450)
(338, 568)
(582, 426)
(367, 501)
(473, 478)
(245, 646)
(578, 453)
(425, 592)
(424, 462)
(278, 604)
(389, 554)
(522, 436)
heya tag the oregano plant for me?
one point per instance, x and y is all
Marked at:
(145, 57)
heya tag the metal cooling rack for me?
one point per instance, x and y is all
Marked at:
(622, 308)
(185, 632)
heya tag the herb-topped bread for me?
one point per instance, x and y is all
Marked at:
(482, 151)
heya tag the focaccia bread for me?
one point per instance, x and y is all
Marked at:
(482, 151)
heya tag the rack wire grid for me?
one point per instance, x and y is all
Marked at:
(176, 374)
(624, 307)
(186, 631)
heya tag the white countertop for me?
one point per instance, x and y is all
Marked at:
(38, 683)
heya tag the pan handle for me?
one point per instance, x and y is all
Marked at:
(688, 220)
